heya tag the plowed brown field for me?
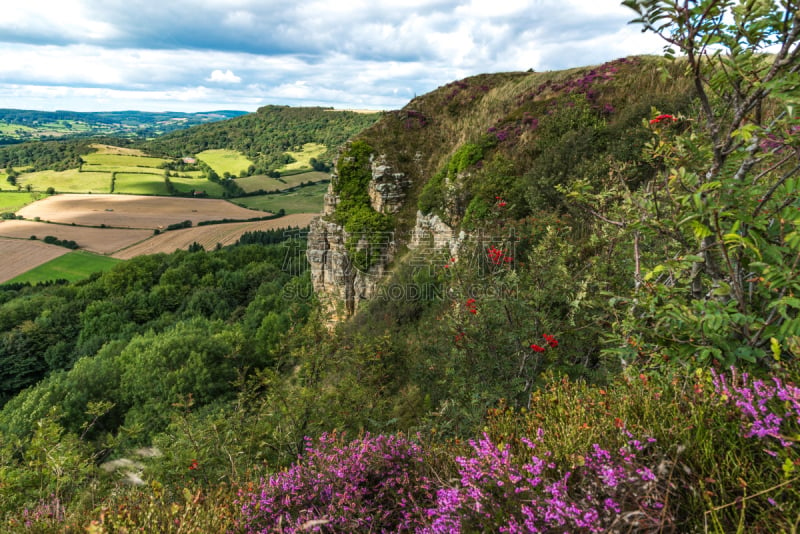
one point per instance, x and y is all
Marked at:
(133, 211)
(209, 236)
(18, 256)
(98, 240)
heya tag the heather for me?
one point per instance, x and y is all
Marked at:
(610, 346)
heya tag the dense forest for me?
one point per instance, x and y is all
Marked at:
(610, 346)
(56, 155)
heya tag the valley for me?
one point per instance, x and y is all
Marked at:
(118, 198)
(546, 301)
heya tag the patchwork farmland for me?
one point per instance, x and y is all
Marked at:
(97, 240)
(122, 227)
(118, 205)
(133, 211)
(209, 236)
(21, 256)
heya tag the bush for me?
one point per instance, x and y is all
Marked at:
(371, 484)
(178, 226)
(386, 484)
(68, 243)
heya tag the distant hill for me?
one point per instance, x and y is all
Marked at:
(266, 135)
(20, 125)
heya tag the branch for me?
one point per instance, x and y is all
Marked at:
(602, 217)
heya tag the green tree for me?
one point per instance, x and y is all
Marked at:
(715, 237)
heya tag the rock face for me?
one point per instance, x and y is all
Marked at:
(330, 200)
(339, 282)
(430, 232)
(387, 189)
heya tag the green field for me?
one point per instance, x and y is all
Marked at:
(69, 181)
(303, 200)
(224, 160)
(10, 129)
(187, 185)
(73, 266)
(140, 184)
(4, 176)
(122, 168)
(254, 183)
(11, 202)
(303, 157)
(122, 160)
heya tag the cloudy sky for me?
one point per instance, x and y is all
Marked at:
(201, 55)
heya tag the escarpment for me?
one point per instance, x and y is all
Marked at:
(439, 170)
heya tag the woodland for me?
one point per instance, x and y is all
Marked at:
(612, 347)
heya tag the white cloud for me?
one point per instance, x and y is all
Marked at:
(82, 54)
(227, 76)
(239, 18)
(62, 20)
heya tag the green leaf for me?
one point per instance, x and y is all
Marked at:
(654, 272)
(788, 468)
(723, 290)
(775, 346)
(701, 231)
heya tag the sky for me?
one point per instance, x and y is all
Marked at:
(204, 55)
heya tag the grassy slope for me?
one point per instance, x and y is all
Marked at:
(186, 184)
(140, 184)
(224, 160)
(303, 200)
(254, 183)
(69, 181)
(474, 108)
(303, 157)
(12, 201)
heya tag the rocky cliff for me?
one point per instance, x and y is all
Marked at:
(340, 280)
(453, 159)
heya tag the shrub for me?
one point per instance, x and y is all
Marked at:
(496, 494)
(371, 484)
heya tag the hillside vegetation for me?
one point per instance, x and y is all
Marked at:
(612, 347)
(266, 135)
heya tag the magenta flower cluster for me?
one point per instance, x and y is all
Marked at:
(385, 484)
(46, 513)
(461, 86)
(372, 484)
(580, 84)
(497, 494)
(768, 408)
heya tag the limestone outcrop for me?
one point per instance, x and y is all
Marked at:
(339, 281)
(387, 189)
(431, 233)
